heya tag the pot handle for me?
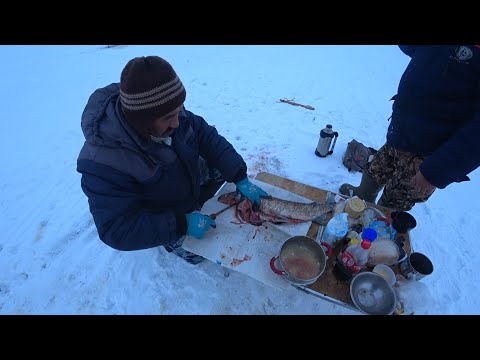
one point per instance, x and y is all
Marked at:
(274, 269)
(329, 249)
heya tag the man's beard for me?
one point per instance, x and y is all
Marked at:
(167, 133)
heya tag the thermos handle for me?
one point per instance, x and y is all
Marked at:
(335, 137)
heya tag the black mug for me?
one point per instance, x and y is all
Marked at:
(403, 221)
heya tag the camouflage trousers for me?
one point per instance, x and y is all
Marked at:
(394, 169)
(207, 177)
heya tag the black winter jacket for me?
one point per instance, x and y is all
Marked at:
(436, 112)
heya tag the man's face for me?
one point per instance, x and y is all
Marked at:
(165, 126)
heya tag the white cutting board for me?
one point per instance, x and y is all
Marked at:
(244, 247)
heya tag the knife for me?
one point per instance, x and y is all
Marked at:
(321, 220)
(214, 216)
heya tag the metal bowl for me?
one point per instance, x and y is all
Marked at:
(372, 294)
(306, 254)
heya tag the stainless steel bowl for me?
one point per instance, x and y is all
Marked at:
(372, 294)
(305, 256)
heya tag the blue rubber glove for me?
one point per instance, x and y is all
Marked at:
(250, 191)
(198, 224)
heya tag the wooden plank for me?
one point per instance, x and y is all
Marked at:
(327, 284)
(304, 190)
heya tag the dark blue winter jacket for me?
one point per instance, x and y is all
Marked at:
(139, 193)
(436, 112)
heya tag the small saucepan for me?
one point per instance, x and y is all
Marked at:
(301, 260)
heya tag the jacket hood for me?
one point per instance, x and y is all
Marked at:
(103, 123)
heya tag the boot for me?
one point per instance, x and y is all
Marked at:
(367, 190)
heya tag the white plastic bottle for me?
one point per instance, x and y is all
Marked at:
(336, 230)
(355, 257)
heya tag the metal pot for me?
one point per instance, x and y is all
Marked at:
(301, 260)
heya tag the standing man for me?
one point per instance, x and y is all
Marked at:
(434, 130)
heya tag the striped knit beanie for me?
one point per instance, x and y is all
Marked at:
(149, 89)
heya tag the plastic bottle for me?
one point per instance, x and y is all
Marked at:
(350, 236)
(352, 260)
(368, 234)
(383, 228)
(335, 230)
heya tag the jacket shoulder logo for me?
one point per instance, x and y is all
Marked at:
(463, 53)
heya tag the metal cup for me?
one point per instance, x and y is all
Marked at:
(416, 266)
(403, 221)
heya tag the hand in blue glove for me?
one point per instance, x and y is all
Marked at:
(198, 224)
(250, 191)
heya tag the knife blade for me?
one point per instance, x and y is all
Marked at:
(214, 215)
(321, 220)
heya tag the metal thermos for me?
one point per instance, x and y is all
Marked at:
(326, 137)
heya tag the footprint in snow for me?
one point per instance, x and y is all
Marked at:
(4, 289)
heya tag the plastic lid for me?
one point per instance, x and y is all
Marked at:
(356, 204)
(352, 234)
(369, 234)
(366, 244)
